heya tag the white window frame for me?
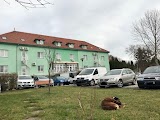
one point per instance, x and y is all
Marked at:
(71, 56)
(24, 55)
(3, 53)
(58, 56)
(24, 70)
(57, 44)
(70, 45)
(103, 58)
(94, 57)
(84, 47)
(3, 68)
(40, 55)
(41, 42)
(41, 68)
(4, 38)
(85, 57)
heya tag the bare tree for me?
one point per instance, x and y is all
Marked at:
(142, 55)
(147, 30)
(31, 3)
(50, 57)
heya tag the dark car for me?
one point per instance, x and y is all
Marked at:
(150, 78)
(60, 80)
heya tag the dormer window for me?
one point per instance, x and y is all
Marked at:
(22, 39)
(39, 41)
(83, 46)
(70, 45)
(56, 43)
(4, 38)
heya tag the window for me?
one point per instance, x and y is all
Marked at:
(95, 57)
(3, 68)
(129, 71)
(3, 53)
(57, 43)
(22, 39)
(58, 56)
(71, 56)
(4, 38)
(95, 72)
(41, 68)
(102, 58)
(24, 70)
(39, 41)
(83, 46)
(124, 72)
(24, 55)
(70, 45)
(57, 68)
(40, 54)
(85, 57)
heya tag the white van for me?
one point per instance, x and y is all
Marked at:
(90, 76)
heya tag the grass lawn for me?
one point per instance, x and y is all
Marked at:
(63, 104)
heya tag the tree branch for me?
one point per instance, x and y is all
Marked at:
(32, 3)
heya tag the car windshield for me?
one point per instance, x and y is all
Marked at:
(86, 72)
(113, 72)
(153, 69)
(25, 77)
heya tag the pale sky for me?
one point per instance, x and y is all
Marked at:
(104, 23)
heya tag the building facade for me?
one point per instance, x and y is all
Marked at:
(27, 53)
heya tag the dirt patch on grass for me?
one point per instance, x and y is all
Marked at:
(31, 107)
(36, 112)
(33, 118)
(26, 101)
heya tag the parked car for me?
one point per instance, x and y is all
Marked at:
(72, 76)
(41, 81)
(117, 77)
(149, 78)
(90, 76)
(25, 81)
(60, 80)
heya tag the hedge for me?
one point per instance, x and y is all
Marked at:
(8, 81)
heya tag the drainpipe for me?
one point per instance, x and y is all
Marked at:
(17, 58)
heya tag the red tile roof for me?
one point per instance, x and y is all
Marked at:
(16, 37)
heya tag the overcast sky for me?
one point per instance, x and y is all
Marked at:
(104, 23)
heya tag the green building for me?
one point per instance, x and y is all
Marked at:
(27, 53)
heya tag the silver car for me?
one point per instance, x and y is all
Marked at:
(25, 81)
(117, 77)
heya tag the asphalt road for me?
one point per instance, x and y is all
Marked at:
(125, 86)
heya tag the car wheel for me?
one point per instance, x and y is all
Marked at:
(120, 84)
(92, 83)
(141, 86)
(74, 82)
(78, 85)
(134, 82)
(102, 86)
